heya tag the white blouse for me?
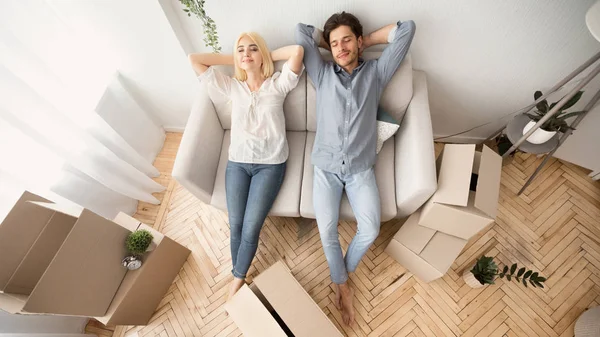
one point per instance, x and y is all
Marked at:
(257, 119)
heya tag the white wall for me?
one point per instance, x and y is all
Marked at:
(484, 59)
(148, 55)
(582, 147)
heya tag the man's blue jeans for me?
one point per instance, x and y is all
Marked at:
(363, 195)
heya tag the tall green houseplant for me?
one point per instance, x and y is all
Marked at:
(196, 7)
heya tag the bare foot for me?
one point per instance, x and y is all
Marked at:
(236, 284)
(347, 297)
(338, 297)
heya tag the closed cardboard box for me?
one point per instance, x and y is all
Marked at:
(278, 306)
(427, 253)
(466, 200)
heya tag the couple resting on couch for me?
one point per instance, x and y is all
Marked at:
(348, 93)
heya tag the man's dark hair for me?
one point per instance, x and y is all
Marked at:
(342, 19)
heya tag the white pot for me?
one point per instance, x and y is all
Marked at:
(151, 247)
(539, 136)
(471, 281)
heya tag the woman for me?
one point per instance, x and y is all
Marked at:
(259, 149)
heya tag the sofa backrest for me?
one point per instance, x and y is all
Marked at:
(294, 106)
(395, 98)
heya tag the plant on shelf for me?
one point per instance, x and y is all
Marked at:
(558, 121)
(485, 271)
(137, 243)
(196, 7)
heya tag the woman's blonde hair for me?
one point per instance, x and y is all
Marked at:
(267, 65)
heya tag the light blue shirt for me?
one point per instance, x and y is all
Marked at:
(346, 138)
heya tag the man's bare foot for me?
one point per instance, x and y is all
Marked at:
(338, 297)
(236, 284)
(347, 297)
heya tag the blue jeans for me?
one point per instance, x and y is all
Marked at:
(363, 195)
(251, 190)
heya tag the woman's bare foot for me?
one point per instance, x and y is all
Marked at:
(236, 284)
(347, 297)
(338, 297)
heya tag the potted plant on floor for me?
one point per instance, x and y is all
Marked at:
(137, 244)
(556, 123)
(485, 272)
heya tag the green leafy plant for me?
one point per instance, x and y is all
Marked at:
(486, 271)
(558, 121)
(138, 241)
(196, 7)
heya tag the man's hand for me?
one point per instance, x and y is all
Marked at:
(366, 43)
(322, 43)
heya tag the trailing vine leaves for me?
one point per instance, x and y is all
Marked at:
(196, 7)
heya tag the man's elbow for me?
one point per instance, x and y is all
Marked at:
(300, 32)
(409, 26)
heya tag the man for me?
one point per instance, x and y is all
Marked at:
(348, 93)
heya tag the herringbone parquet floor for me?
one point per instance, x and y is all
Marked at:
(553, 228)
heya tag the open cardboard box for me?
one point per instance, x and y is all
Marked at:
(56, 260)
(427, 253)
(276, 305)
(466, 200)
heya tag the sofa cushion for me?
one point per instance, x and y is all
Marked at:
(294, 106)
(385, 131)
(287, 202)
(395, 98)
(384, 174)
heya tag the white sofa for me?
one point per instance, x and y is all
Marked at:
(405, 167)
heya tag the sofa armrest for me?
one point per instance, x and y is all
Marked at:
(415, 169)
(198, 156)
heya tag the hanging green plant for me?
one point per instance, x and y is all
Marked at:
(196, 7)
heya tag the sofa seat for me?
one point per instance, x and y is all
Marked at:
(288, 199)
(384, 174)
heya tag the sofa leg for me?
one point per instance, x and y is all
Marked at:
(304, 226)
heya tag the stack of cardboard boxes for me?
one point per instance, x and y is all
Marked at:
(55, 260)
(465, 203)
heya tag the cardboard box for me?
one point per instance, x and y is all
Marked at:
(427, 253)
(142, 290)
(278, 306)
(454, 208)
(67, 261)
(12, 252)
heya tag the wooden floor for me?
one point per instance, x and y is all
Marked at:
(554, 228)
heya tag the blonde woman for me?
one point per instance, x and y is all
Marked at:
(259, 149)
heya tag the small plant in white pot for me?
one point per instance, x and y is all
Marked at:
(485, 271)
(556, 123)
(137, 243)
